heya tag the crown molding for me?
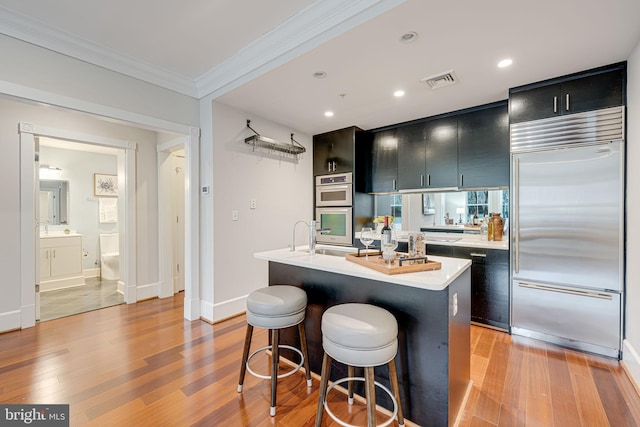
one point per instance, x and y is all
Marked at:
(314, 25)
(41, 34)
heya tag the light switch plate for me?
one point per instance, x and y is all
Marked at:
(235, 215)
(252, 203)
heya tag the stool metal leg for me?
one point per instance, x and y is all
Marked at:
(393, 379)
(351, 372)
(275, 365)
(245, 355)
(322, 392)
(370, 393)
(305, 354)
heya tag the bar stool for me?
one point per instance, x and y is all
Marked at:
(275, 307)
(360, 335)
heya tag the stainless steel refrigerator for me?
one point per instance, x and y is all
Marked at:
(567, 230)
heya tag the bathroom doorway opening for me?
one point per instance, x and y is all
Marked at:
(79, 236)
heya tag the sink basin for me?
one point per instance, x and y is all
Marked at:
(330, 251)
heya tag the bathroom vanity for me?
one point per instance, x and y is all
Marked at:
(60, 261)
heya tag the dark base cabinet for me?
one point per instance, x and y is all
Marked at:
(433, 360)
(489, 282)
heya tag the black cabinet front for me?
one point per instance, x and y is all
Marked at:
(384, 160)
(333, 151)
(428, 154)
(489, 282)
(597, 89)
(483, 148)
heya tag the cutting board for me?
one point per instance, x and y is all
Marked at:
(377, 263)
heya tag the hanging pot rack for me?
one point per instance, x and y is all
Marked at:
(258, 141)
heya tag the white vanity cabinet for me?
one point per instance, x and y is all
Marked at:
(60, 261)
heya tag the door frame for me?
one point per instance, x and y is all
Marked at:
(29, 223)
(191, 145)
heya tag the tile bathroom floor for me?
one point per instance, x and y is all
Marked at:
(95, 294)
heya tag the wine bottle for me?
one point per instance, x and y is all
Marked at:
(385, 233)
(386, 224)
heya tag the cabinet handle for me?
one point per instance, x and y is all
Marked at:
(428, 180)
(567, 103)
(54, 254)
(461, 180)
(328, 166)
(555, 104)
(421, 180)
(394, 184)
(478, 255)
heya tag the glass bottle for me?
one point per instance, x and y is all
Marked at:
(490, 227)
(496, 219)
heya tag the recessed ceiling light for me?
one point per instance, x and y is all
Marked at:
(328, 113)
(320, 74)
(409, 37)
(398, 93)
(505, 63)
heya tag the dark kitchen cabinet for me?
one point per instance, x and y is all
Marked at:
(428, 154)
(483, 147)
(412, 153)
(384, 159)
(591, 90)
(333, 152)
(489, 282)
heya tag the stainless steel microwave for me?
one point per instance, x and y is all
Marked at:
(339, 223)
(334, 190)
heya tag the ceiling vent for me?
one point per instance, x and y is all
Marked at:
(445, 79)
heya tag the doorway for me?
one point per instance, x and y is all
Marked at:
(76, 221)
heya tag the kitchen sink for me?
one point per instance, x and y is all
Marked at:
(330, 251)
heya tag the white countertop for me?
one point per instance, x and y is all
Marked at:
(434, 280)
(457, 239)
(59, 234)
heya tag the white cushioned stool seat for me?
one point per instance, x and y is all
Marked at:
(359, 334)
(276, 307)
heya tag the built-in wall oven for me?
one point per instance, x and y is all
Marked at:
(334, 210)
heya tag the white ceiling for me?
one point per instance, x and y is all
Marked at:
(205, 46)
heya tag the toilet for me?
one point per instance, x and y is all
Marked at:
(109, 256)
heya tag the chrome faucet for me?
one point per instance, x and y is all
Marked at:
(46, 225)
(312, 235)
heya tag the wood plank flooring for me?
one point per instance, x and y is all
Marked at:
(144, 365)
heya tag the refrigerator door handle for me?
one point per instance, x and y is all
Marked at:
(516, 211)
(599, 295)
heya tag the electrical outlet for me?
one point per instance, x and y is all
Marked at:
(252, 203)
(235, 215)
(455, 303)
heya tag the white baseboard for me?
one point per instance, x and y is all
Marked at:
(61, 283)
(226, 309)
(152, 290)
(10, 321)
(91, 272)
(631, 360)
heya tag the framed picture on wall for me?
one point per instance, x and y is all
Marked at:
(105, 185)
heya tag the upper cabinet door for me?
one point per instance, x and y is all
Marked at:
(483, 148)
(593, 90)
(411, 156)
(333, 151)
(384, 162)
(441, 152)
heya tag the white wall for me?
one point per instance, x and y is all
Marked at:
(632, 341)
(34, 67)
(78, 168)
(283, 190)
(11, 113)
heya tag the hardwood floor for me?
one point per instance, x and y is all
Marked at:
(144, 365)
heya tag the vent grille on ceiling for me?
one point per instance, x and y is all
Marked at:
(445, 79)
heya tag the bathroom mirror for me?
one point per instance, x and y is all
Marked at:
(54, 202)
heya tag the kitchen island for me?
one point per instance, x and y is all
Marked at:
(432, 309)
